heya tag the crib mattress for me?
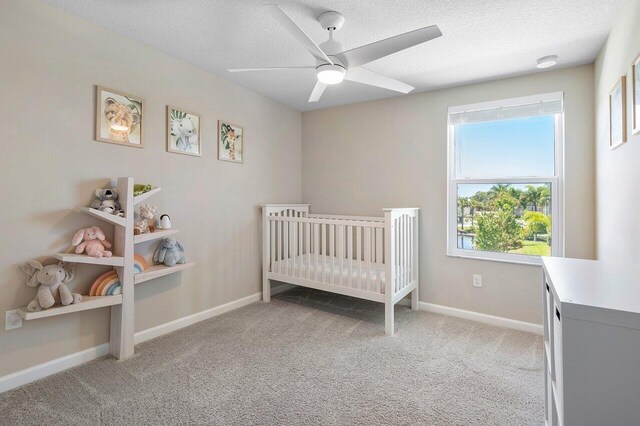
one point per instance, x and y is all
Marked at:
(355, 268)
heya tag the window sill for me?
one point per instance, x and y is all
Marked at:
(528, 260)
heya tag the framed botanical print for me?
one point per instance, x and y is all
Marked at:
(183, 132)
(618, 114)
(635, 101)
(230, 142)
(119, 117)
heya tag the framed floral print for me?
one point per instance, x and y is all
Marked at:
(618, 114)
(183, 132)
(230, 142)
(119, 117)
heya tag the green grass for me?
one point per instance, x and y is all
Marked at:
(534, 248)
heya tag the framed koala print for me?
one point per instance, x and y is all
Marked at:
(119, 117)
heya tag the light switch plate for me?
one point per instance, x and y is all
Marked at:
(477, 280)
(12, 320)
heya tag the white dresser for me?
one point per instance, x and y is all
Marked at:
(591, 342)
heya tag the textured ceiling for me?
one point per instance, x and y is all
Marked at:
(483, 39)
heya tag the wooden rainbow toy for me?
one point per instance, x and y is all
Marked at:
(107, 284)
(139, 264)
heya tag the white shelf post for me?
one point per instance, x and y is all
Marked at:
(122, 325)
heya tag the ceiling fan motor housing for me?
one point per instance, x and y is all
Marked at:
(331, 20)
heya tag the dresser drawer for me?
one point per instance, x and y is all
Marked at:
(557, 360)
(548, 394)
(548, 310)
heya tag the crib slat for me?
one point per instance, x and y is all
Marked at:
(332, 250)
(405, 252)
(286, 248)
(323, 252)
(398, 254)
(359, 254)
(379, 259)
(410, 245)
(316, 246)
(272, 241)
(350, 254)
(307, 236)
(279, 241)
(367, 257)
(341, 253)
(294, 246)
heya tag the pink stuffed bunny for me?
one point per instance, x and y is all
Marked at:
(92, 241)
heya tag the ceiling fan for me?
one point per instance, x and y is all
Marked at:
(334, 64)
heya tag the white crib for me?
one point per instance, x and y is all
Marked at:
(373, 258)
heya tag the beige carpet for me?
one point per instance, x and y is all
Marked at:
(308, 357)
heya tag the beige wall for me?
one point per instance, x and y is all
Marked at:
(618, 171)
(360, 158)
(49, 165)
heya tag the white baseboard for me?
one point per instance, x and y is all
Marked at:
(483, 318)
(153, 332)
(54, 366)
(48, 368)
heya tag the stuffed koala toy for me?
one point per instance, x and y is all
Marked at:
(91, 241)
(51, 282)
(107, 201)
(170, 252)
(147, 220)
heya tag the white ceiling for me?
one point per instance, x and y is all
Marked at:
(483, 39)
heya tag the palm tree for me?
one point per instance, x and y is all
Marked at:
(474, 205)
(463, 202)
(536, 196)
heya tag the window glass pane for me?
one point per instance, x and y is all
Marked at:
(518, 147)
(506, 218)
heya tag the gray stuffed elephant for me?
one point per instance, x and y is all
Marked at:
(51, 280)
(170, 252)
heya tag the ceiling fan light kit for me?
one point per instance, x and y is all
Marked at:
(547, 62)
(334, 64)
(330, 74)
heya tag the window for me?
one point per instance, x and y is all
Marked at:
(505, 179)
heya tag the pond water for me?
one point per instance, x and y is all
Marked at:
(465, 242)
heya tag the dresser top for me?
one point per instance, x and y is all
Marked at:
(594, 284)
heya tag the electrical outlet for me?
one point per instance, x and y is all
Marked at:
(477, 280)
(12, 320)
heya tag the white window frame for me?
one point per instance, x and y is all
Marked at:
(556, 182)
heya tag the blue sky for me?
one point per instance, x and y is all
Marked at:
(469, 189)
(518, 147)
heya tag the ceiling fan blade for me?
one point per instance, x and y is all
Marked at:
(317, 92)
(365, 54)
(361, 75)
(293, 29)
(268, 69)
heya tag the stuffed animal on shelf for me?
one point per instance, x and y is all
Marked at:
(91, 241)
(165, 222)
(51, 282)
(170, 252)
(147, 222)
(107, 201)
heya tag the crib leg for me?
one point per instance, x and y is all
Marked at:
(388, 318)
(415, 300)
(266, 290)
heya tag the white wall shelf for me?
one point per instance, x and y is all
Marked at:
(140, 198)
(107, 217)
(121, 344)
(160, 233)
(85, 258)
(87, 302)
(158, 271)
